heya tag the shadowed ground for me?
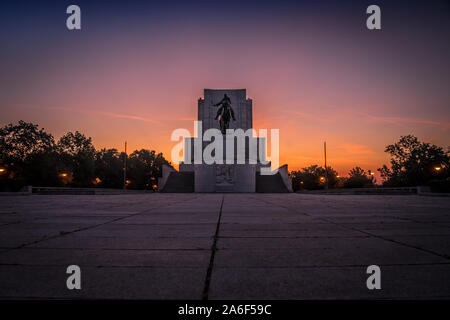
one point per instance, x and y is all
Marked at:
(232, 246)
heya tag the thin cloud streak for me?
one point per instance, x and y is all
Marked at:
(356, 149)
(400, 120)
(107, 114)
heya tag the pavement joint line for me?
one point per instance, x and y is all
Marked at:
(390, 240)
(294, 237)
(10, 223)
(440, 224)
(335, 266)
(371, 234)
(213, 253)
(235, 267)
(404, 244)
(415, 262)
(339, 298)
(168, 224)
(103, 266)
(115, 249)
(61, 234)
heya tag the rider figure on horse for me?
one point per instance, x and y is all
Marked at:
(225, 113)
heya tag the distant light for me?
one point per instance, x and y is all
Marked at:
(63, 175)
(372, 173)
(155, 187)
(301, 182)
(2, 169)
(127, 181)
(437, 168)
(322, 179)
(338, 176)
(97, 180)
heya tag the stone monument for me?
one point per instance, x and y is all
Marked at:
(225, 177)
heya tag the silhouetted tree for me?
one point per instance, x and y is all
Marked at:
(143, 168)
(77, 154)
(358, 178)
(415, 163)
(17, 142)
(313, 177)
(27, 155)
(30, 156)
(109, 168)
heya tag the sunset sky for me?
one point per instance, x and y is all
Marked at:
(136, 70)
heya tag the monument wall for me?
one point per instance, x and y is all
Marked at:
(225, 176)
(241, 105)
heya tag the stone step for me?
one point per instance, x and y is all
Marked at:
(270, 184)
(179, 182)
(224, 187)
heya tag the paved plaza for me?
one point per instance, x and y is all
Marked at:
(224, 246)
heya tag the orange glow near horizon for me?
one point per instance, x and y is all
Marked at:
(313, 71)
(301, 136)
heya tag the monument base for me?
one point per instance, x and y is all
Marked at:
(243, 178)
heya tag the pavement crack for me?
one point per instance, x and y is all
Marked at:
(213, 253)
(65, 233)
(444, 256)
(391, 240)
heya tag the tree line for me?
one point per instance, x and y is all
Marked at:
(31, 156)
(413, 163)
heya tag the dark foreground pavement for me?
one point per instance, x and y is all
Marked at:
(232, 246)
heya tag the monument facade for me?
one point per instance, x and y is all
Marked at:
(238, 168)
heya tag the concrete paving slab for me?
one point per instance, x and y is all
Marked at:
(105, 258)
(153, 230)
(14, 241)
(436, 243)
(363, 252)
(34, 282)
(172, 218)
(398, 282)
(336, 232)
(299, 243)
(79, 241)
(281, 246)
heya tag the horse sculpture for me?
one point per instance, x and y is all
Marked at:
(224, 114)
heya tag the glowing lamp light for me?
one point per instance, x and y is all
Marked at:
(437, 168)
(63, 175)
(322, 179)
(2, 170)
